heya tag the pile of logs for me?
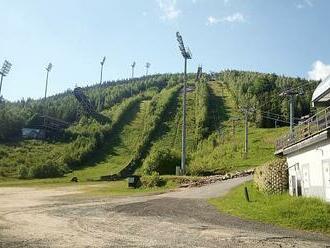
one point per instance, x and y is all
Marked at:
(272, 178)
(198, 182)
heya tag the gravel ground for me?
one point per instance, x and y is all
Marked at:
(61, 218)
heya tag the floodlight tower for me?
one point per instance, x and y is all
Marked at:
(48, 69)
(133, 66)
(4, 71)
(102, 63)
(147, 68)
(186, 55)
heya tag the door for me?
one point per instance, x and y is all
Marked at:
(293, 185)
(326, 179)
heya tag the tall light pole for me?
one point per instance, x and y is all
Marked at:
(102, 63)
(4, 71)
(133, 66)
(147, 68)
(48, 69)
(186, 55)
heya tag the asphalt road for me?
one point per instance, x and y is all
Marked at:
(60, 218)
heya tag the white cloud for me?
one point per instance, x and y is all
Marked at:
(309, 3)
(236, 17)
(319, 71)
(169, 9)
(305, 3)
(211, 20)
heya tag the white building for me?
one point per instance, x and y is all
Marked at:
(307, 150)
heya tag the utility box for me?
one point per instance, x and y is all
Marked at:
(133, 181)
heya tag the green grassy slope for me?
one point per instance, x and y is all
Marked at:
(220, 151)
(32, 152)
(120, 149)
(169, 134)
(223, 150)
(28, 153)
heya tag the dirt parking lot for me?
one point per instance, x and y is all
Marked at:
(60, 217)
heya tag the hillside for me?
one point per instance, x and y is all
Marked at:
(144, 128)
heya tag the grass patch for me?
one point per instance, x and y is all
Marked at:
(309, 214)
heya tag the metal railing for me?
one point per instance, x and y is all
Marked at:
(308, 128)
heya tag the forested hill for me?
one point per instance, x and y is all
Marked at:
(64, 106)
(141, 133)
(262, 91)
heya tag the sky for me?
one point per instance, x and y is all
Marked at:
(287, 37)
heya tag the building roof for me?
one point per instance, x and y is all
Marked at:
(322, 92)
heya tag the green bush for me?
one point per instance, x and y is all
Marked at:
(47, 170)
(162, 161)
(23, 172)
(152, 181)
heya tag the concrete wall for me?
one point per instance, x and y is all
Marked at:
(309, 171)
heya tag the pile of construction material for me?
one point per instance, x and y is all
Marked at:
(272, 178)
(198, 182)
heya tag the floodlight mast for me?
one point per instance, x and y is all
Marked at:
(102, 63)
(147, 68)
(4, 71)
(133, 66)
(48, 69)
(186, 55)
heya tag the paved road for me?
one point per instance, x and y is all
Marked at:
(57, 218)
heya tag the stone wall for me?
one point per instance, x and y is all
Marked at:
(272, 177)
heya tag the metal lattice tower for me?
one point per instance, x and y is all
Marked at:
(84, 101)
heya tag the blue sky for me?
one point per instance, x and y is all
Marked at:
(283, 36)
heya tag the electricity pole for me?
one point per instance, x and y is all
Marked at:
(4, 71)
(48, 69)
(147, 68)
(133, 66)
(102, 63)
(246, 111)
(186, 55)
(291, 94)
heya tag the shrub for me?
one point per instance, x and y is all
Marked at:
(162, 161)
(46, 170)
(152, 181)
(23, 172)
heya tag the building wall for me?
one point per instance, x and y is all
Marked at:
(309, 168)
